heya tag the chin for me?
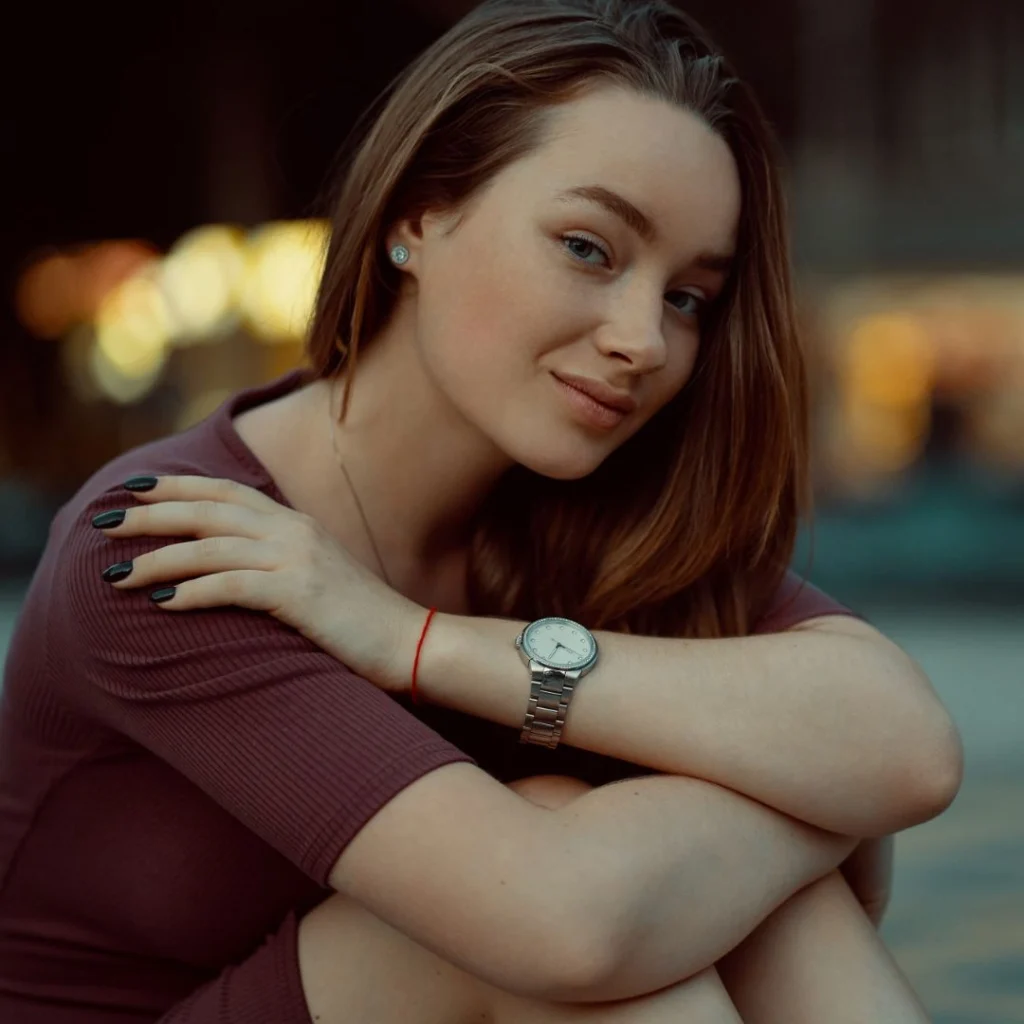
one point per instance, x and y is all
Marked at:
(568, 465)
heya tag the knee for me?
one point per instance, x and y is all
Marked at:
(551, 791)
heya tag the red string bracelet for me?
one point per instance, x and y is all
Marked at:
(416, 662)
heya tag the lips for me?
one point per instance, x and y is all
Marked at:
(599, 391)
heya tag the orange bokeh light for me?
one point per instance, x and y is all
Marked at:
(61, 289)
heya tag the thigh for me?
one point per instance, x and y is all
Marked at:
(816, 958)
(701, 999)
(355, 967)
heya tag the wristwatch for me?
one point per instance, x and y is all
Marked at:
(559, 653)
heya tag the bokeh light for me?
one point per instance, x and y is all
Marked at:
(133, 329)
(59, 290)
(201, 280)
(285, 260)
(890, 361)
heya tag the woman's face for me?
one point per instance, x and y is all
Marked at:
(591, 259)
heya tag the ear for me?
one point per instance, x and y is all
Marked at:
(413, 233)
(416, 232)
(408, 233)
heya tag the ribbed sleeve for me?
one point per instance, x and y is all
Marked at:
(288, 740)
(796, 601)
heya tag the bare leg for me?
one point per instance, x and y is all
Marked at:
(356, 967)
(701, 999)
(818, 958)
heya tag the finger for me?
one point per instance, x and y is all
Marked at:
(191, 559)
(206, 518)
(242, 588)
(200, 488)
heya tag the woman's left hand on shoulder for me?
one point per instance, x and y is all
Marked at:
(252, 552)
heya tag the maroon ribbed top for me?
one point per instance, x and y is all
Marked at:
(174, 789)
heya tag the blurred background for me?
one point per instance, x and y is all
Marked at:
(161, 241)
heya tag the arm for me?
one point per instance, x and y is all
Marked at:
(629, 888)
(829, 722)
(655, 868)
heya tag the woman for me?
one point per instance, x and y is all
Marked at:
(559, 252)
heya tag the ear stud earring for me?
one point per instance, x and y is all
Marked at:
(399, 255)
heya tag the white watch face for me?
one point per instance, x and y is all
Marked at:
(559, 643)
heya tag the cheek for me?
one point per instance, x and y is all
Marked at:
(474, 352)
(487, 317)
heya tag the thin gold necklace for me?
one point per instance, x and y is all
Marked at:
(351, 487)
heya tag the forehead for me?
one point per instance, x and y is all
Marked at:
(663, 158)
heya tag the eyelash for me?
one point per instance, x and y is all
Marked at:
(702, 304)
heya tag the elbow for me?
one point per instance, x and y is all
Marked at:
(931, 779)
(926, 766)
(943, 771)
(562, 966)
(576, 969)
(561, 951)
(583, 949)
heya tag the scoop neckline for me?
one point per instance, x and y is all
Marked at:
(242, 401)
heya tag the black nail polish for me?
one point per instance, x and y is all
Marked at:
(107, 519)
(164, 594)
(140, 483)
(117, 571)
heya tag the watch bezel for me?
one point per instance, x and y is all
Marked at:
(583, 666)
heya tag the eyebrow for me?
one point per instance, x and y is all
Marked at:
(638, 221)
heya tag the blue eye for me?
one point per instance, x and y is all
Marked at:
(585, 244)
(696, 304)
(580, 247)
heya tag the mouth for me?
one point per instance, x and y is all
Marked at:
(589, 409)
(603, 394)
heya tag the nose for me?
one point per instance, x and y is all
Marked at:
(634, 332)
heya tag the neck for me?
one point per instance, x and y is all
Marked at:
(419, 468)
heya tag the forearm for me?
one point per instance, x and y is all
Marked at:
(679, 871)
(834, 729)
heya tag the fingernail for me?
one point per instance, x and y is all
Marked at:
(117, 571)
(107, 519)
(140, 483)
(164, 594)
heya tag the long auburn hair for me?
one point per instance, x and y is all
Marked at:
(688, 527)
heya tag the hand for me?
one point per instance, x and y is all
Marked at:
(255, 553)
(868, 872)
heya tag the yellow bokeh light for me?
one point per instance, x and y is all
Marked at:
(116, 386)
(883, 438)
(890, 361)
(285, 261)
(201, 280)
(133, 326)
